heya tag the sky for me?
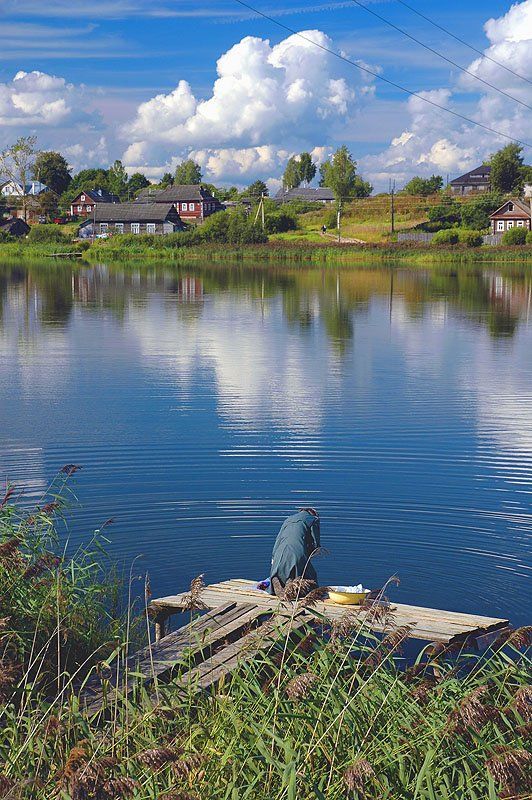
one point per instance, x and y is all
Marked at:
(154, 83)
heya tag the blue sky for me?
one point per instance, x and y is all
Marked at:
(113, 55)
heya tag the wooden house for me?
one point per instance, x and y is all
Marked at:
(512, 213)
(321, 194)
(86, 201)
(194, 203)
(111, 219)
(14, 226)
(477, 180)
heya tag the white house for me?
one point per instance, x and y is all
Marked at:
(14, 189)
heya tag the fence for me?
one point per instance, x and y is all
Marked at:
(420, 236)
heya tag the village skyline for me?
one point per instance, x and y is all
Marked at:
(240, 93)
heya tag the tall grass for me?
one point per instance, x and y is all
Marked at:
(325, 712)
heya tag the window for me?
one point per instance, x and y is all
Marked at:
(191, 206)
(150, 227)
(500, 225)
(104, 227)
(89, 208)
(510, 206)
(119, 227)
(510, 223)
(184, 207)
(82, 198)
(135, 227)
(80, 208)
(520, 223)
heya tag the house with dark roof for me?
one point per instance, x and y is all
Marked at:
(477, 180)
(513, 213)
(116, 218)
(194, 203)
(14, 226)
(322, 194)
(85, 202)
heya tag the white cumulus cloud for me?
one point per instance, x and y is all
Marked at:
(267, 102)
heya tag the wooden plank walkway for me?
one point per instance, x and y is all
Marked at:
(427, 624)
(187, 645)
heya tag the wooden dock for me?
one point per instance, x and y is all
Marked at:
(240, 621)
(427, 624)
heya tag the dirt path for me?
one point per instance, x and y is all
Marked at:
(342, 240)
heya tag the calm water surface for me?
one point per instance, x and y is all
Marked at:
(205, 404)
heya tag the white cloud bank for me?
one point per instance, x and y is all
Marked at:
(435, 141)
(267, 102)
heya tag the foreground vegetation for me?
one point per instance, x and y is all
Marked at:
(337, 716)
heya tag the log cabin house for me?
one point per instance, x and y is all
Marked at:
(86, 201)
(512, 213)
(477, 180)
(194, 203)
(112, 219)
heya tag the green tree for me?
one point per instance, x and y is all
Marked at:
(444, 215)
(48, 203)
(52, 169)
(340, 175)
(256, 189)
(476, 213)
(424, 186)
(137, 182)
(506, 169)
(307, 168)
(292, 174)
(118, 180)
(166, 180)
(188, 173)
(16, 163)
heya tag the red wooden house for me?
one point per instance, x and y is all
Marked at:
(85, 202)
(194, 203)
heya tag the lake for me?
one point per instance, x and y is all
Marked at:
(206, 403)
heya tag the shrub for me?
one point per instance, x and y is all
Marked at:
(470, 238)
(231, 227)
(475, 214)
(515, 236)
(331, 218)
(446, 215)
(280, 222)
(47, 233)
(5, 236)
(446, 236)
(529, 237)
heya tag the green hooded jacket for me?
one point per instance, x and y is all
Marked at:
(298, 538)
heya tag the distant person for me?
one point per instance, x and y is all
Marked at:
(324, 229)
(298, 538)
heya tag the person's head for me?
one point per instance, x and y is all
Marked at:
(310, 511)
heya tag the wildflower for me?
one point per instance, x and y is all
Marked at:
(70, 469)
(8, 549)
(147, 588)
(47, 561)
(298, 587)
(472, 713)
(314, 596)
(522, 703)
(511, 769)
(421, 693)
(521, 637)
(357, 776)
(49, 508)
(76, 758)
(188, 764)
(299, 687)
(158, 757)
(119, 787)
(192, 601)
(5, 500)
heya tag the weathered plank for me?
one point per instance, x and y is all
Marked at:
(428, 624)
(206, 632)
(263, 638)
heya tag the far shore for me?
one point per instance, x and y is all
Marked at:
(289, 252)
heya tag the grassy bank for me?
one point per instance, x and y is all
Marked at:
(336, 717)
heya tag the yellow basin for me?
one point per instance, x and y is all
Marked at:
(347, 598)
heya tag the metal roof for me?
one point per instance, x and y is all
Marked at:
(175, 194)
(134, 212)
(475, 175)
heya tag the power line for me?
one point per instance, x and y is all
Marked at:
(381, 77)
(440, 55)
(462, 41)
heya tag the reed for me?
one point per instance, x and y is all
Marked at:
(336, 714)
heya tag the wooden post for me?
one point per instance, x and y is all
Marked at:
(160, 625)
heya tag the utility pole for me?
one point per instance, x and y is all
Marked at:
(392, 198)
(260, 210)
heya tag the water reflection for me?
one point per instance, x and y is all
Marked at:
(206, 402)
